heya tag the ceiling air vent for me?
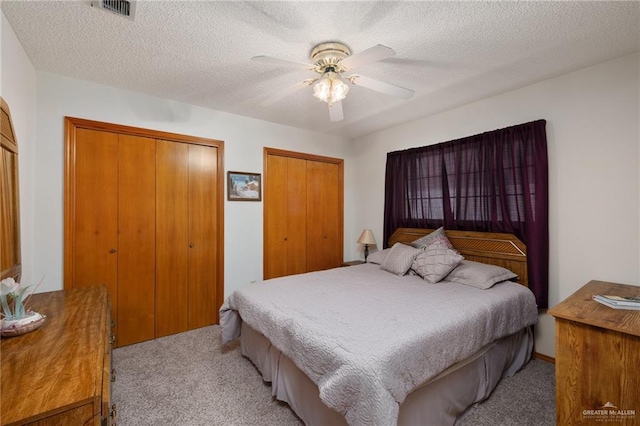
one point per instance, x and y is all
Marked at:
(119, 7)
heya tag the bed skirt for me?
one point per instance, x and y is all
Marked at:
(440, 401)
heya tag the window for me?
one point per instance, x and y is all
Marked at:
(492, 182)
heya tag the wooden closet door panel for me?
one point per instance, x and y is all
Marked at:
(331, 216)
(172, 232)
(96, 212)
(296, 216)
(203, 222)
(323, 215)
(315, 210)
(276, 217)
(136, 239)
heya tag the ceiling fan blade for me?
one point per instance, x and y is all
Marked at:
(367, 56)
(335, 111)
(283, 62)
(287, 92)
(380, 86)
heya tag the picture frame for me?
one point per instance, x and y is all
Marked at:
(244, 186)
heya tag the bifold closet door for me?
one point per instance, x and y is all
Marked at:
(323, 216)
(186, 223)
(172, 236)
(203, 222)
(144, 217)
(114, 227)
(136, 239)
(287, 219)
(276, 223)
(96, 212)
(332, 222)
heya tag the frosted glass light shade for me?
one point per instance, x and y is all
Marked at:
(322, 90)
(339, 90)
(330, 88)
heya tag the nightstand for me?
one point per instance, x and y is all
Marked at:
(353, 262)
(597, 358)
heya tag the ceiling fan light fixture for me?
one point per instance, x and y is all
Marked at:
(330, 88)
(330, 61)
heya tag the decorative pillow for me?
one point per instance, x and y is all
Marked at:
(436, 261)
(399, 259)
(480, 275)
(436, 236)
(378, 257)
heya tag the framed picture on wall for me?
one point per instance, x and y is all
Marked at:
(242, 186)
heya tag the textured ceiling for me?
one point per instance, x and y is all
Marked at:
(449, 53)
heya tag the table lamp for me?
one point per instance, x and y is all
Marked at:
(367, 239)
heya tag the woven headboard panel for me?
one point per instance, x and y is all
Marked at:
(504, 250)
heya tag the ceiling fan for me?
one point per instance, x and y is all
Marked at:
(330, 60)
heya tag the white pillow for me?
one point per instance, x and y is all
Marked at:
(437, 236)
(399, 259)
(435, 262)
(479, 275)
(378, 257)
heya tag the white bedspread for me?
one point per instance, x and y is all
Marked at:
(367, 338)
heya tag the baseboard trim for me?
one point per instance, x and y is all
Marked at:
(544, 357)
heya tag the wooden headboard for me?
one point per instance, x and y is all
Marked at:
(504, 250)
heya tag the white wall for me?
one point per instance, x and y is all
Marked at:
(594, 184)
(244, 139)
(18, 88)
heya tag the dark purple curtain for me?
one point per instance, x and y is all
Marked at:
(493, 182)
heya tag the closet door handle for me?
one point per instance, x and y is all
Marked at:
(191, 245)
(285, 238)
(112, 251)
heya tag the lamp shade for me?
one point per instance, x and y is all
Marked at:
(367, 237)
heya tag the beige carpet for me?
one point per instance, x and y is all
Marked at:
(191, 379)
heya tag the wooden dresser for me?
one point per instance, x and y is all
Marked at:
(61, 373)
(597, 358)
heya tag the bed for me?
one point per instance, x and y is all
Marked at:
(362, 346)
